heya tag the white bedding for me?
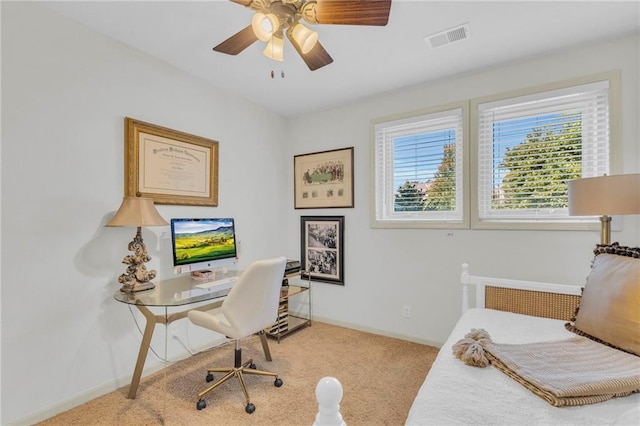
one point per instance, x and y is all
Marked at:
(454, 393)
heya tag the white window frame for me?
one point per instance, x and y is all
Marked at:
(382, 214)
(527, 219)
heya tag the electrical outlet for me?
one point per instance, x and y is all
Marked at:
(406, 312)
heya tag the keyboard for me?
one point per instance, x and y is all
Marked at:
(217, 285)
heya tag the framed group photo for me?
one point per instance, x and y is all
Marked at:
(170, 166)
(321, 248)
(323, 179)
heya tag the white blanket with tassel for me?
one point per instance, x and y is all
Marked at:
(567, 372)
(455, 394)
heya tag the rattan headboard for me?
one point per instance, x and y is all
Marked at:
(531, 302)
(558, 301)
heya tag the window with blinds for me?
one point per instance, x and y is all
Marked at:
(530, 146)
(419, 169)
(525, 147)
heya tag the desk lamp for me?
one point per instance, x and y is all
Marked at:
(139, 212)
(605, 196)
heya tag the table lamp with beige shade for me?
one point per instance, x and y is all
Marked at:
(138, 212)
(605, 196)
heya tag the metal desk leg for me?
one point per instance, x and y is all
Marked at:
(265, 345)
(152, 320)
(144, 349)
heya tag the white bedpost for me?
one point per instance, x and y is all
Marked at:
(329, 395)
(464, 279)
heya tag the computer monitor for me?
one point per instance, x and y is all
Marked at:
(203, 243)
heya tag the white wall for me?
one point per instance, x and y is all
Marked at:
(66, 91)
(387, 269)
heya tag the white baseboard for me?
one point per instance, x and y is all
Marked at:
(79, 399)
(376, 331)
(90, 394)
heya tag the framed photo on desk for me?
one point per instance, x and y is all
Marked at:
(321, 248)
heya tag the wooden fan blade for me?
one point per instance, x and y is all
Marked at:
(352, 12)
(237, 42)
(245, 3)
(315, 58)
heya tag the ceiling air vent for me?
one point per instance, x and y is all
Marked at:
(451, 35)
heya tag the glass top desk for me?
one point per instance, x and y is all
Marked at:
(172, 293)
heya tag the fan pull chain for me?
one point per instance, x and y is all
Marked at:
(273, 74)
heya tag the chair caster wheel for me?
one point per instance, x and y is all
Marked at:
(209, 378)
(201, 404)
(252, 366)
(250, 408)
(277, 382)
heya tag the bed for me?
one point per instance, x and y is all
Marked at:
(522, 312)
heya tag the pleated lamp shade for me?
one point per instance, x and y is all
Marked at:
(137, 211)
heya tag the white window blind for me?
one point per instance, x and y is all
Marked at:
(530, 146)
(419, 168)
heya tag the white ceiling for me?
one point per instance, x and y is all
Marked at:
(367, 60)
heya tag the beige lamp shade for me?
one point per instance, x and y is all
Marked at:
(304, 37)
(275, 48)
(137, 211)
(264, 25)
(605, 195)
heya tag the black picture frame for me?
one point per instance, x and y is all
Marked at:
(323, 179)
(322, 248)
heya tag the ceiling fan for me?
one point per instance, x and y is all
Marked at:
(274, 18)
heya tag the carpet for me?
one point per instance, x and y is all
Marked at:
(380, 376)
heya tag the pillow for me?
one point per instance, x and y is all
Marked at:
(609, 310)
(616, 248)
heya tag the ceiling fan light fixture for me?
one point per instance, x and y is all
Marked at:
(275, 48)
(264, 25)
(271, 19)
(304, 37)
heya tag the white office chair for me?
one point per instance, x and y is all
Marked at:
(250, 307)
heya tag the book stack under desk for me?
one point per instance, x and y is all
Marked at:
(287, 323)
(282, 324)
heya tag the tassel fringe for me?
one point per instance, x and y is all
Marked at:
(470, 350)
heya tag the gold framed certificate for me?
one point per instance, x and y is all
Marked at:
(170, 166)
